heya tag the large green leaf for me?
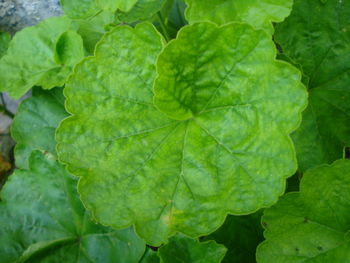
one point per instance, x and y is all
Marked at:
(42, 220)
(311, 225)
(183, 249)
(258, 13)
(317, 36)
(224, 149)
(35, 57)
(240, 235)
(35, 123)
(5, 39)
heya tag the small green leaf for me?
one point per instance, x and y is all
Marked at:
(150, 256)
(142, 10)
(240, 235)
(258, 13)
(113, 5)
(42, 221)
(316, 36)
(138, 166)
(183, 249)
(92, 29)
(5, 39)
(79, 9)
(311, 225)
(82, 9)
(174, 14)
(69, 48)
(30, 58)
(35, 123)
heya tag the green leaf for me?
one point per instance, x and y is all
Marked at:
(113, 5)
(5, 39)
(69, 48)
(224, 149)
(35, 123)
(92, 29)
(150, 256)
(258, 13)
(240, 235)
(174, 17)
(183, 249)
(79, 9)
(317, 36)
(82, 9)
(42, 220)
(142, 10)
(30, 59)
(311, 225)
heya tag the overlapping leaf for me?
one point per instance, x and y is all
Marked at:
(142, 10)
(92, 29)
(223, 148)
(258, 13)
(311, 225)
(150, 256)
(317, 36)
(240, 235)
(35, 124)
(42, 220)
(183, 249)
(42, 55)
(174, 17)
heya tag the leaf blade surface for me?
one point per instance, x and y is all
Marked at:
(169, 173)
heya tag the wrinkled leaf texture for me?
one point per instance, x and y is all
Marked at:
(42, 220)
(258, 13)
(311, 225)
(215, 141)
(316, 36)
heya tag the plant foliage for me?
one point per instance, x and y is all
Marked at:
(316, 37)
(258, 13)
(311, 225)
(43, 55)
(35, 123)
(194, 152)
(164, 131)
(51, 224)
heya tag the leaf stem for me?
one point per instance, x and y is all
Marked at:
(163, 27)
